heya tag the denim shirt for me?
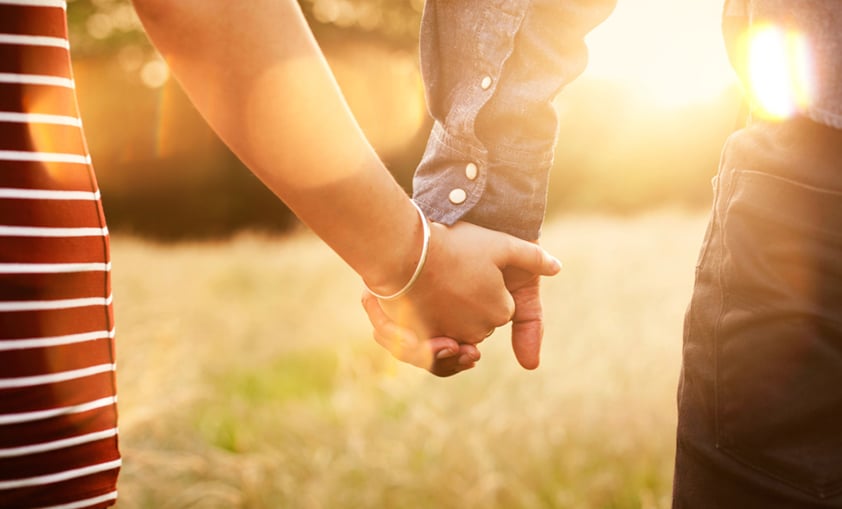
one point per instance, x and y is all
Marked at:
(491, 70)
(820, 22)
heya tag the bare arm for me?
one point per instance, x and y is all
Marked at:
(258, 77)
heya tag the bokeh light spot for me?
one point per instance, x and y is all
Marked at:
(154, 73)
(99, 26)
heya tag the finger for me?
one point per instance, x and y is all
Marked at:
(468, 354)
(527, 323)
(402, 343)
(375, 313)
(465, 359)
(404, 346)
(531, 258)
(388, 327)
(420, 355)
(477, 338)
(439, 355)
(448, 356)
(450, 367)
(526, 342)
(443, 348)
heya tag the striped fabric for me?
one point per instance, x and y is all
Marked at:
(58, 434)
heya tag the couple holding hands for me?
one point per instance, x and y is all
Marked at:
(449, 267)
(759, 399)
(442, 271)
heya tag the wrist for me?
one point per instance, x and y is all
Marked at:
(398, 277)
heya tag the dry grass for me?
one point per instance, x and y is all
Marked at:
(248, 379)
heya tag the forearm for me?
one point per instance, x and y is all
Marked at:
(255, 73)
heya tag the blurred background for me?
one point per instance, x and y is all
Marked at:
(641, 129)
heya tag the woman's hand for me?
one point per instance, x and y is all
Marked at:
(440, 356)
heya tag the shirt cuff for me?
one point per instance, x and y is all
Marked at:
(505, 190)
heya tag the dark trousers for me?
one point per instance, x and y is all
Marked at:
(760, 394)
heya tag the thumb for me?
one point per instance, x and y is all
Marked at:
(526, 342)
(527, 322)
(531, 258)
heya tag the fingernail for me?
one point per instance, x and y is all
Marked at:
(557, 265)
(444, 354)
(466, 360)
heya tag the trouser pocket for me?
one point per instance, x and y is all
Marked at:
(778, 339)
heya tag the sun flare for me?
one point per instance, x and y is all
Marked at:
(777, 72)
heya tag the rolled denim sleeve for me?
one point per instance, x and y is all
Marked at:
(491, 70)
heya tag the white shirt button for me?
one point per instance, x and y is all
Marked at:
(458, 196)
(471, 171)
(485, 83)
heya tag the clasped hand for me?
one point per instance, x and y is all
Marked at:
(474, 281)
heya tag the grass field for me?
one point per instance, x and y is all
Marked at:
(248, 379)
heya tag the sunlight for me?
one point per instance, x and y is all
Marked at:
(47, 134)
(778, 72)
(691, 68)
(168, 135)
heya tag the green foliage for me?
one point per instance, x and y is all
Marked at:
(298, 377)
(293, 376)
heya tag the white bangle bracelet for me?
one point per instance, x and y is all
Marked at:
(425, 245)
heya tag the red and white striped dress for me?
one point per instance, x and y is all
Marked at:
(58, 431)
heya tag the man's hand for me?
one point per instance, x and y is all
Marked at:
(461, 292)
(445, 356)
